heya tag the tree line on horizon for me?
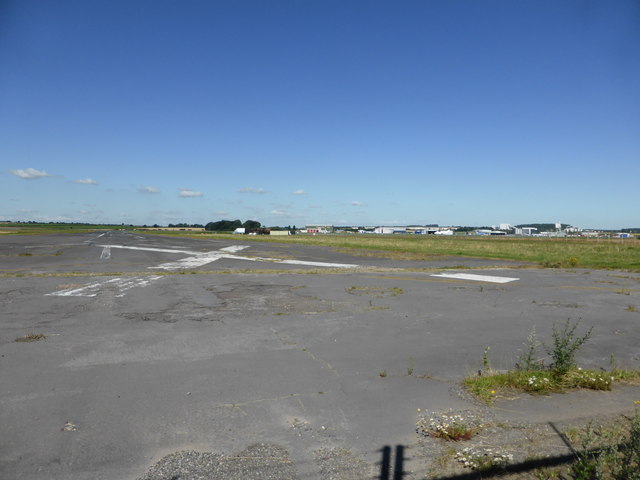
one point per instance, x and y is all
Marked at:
(231, 225)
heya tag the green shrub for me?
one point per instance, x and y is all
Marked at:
(565, 346)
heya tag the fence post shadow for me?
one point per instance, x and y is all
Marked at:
(398, 464)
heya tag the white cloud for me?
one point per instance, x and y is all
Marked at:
(299, 192)
(258, 191)
(148, 189)
(279, 213)
(30, 173)
(355, 203)
(186, 193)
(221, 213)
(86, 181)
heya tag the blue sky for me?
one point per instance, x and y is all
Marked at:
(319, 111)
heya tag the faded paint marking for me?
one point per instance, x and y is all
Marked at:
(234, 248)
(152, 249)
(191, 262)
(477, 278)
(121, 285)
(196, 260)
(318, 264)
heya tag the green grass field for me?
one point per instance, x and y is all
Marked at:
(546, 252)
(49, 228)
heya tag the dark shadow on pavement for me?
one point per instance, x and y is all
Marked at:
(398, 465)
(526, 466)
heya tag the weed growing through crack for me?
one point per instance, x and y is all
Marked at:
(383, 373)
(528, 359)
(449, 426)
(483, 459)
(565, 346)
(631, 308)
(486, 364)
(532, 376)
(410, 367)
(377, 307)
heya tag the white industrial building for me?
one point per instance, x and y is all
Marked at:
(318, 229)
(416, 230)
(527, 231)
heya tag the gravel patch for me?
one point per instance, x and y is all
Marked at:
(341, 464)
(261, 461)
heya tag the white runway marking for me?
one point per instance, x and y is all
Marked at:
(318, 264)
(152, 249)
(195, 259)
(190, 262)
(94, 238)
(477, 278)
(121, 285)
(234, 248)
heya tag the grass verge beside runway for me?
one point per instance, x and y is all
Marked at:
(547, 252)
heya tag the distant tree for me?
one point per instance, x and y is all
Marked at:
(251, 225)
(223, 225)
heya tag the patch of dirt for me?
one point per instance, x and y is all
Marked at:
(375, 291)
(237, 298)
(10, 296)
(179, 312)
(32, 337)
(559, 304)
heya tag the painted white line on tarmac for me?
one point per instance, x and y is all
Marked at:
(190, 262)
(151, 249)
(121, 285)
(477, 278)
(196, 259)
(318, 264)
(234, 248)
(290, 262)
(94, 238)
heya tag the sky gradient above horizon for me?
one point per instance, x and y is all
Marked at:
(345, 112)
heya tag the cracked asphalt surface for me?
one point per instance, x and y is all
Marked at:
(247, 367)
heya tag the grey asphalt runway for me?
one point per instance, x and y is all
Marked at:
(300, 356)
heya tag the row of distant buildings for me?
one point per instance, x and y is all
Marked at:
(502, 229)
